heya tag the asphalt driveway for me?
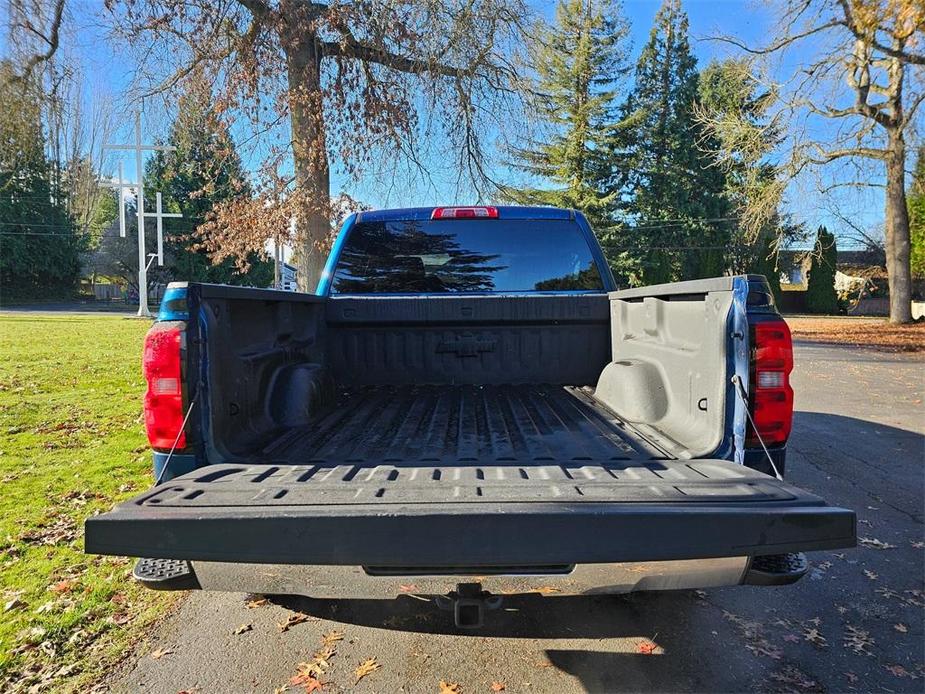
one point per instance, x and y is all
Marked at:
(854, 624)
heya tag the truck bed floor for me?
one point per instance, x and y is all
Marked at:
(459, 424)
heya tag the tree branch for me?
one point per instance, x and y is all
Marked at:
(854, 28)
(51, 39)
(360, 51)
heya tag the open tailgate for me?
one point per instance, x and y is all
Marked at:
(422, 515)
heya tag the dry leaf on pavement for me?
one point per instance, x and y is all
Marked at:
(646, 647)
(546, 590)
(870, 574)
(293, 619)
(497, 686)
(901, 628)
(243, 629)
(407, 588)
(899, 671)
(160, 653)
(449, 687)
(815, 638)
(256, 602)
(857, 640)
(875, 543)
(367, 667)
(332, 637)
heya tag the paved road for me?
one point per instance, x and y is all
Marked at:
(854, 624)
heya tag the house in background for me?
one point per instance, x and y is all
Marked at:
(860, 280)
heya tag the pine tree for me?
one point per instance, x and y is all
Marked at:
(40, 246)
(916, 202)
(741, 143)
(580, 60)
(202, 170)
(820, 290)
(676, 195)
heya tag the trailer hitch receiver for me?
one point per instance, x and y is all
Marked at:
(469, 603)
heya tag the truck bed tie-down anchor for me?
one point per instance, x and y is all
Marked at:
(468, 603)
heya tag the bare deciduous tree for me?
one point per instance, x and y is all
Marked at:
(359, 83)
(867, 82)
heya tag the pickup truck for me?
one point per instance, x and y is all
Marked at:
(467, 404)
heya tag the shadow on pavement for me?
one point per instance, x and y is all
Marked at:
(519, 616)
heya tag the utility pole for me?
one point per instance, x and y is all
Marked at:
(139, 148)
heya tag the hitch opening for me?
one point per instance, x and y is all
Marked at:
(469, 603)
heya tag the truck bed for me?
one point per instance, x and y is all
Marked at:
(513, 424)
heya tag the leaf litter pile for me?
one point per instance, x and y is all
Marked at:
(868, 332)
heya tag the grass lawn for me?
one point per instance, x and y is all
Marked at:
(71, 444)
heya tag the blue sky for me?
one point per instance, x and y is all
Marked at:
(108, 70)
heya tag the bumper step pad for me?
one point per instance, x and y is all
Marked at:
(165, 574)
(777, 569)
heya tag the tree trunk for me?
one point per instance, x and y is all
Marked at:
(897, 232)
(303, 56)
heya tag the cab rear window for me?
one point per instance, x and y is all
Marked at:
(465, 255)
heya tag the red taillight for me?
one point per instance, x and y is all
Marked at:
(771, 400)
(164, 397)
(465, 213)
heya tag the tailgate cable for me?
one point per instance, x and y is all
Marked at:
(740, 389)
(176, 440)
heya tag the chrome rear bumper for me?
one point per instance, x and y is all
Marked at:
(343, 582)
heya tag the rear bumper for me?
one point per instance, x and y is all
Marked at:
(354, 582)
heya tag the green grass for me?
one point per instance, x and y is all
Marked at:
(72, 443)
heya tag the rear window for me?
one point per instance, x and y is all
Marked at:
(463, 255)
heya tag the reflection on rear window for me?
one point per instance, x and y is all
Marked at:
(465, 256)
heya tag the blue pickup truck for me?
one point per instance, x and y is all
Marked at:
(469, 404)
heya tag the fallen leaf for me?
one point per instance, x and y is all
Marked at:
(899, 671)
(857, 640)
(791, 638)
(313, 685)
(14, 604)
(60, 587)
(365, 668)
(646, 647)
(901, 628)
(815, 638)
(332, 637)
(851, 677)
(308, 671)
(407, 588)
(293, 619)
(918, 545)
(160, 653)
(875, 543)
(449, 688)
(791, 675)
(871, 575)
(497, 687)
(243, 629)
(546, 590)
(257, 602)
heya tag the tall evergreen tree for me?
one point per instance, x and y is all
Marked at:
(40, 246)
(916, 200)
(580, 60)
(676, 196)
(820, 289)
(203, 170)
(741, 142)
